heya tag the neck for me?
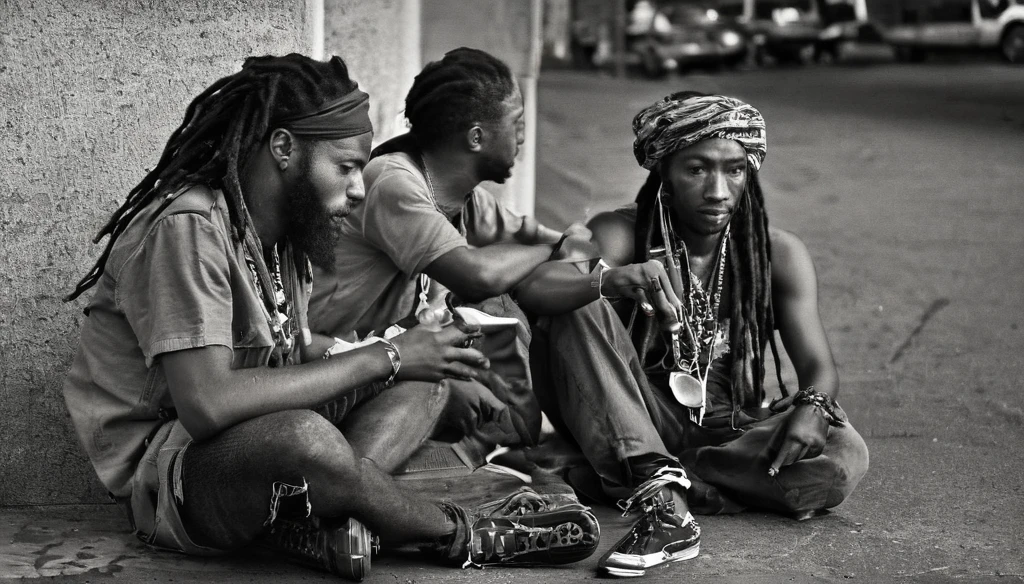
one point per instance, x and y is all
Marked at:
(451, 175)
(701, 246)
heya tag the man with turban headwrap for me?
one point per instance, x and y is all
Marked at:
(656, 353)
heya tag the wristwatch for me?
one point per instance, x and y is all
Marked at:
(394, 356)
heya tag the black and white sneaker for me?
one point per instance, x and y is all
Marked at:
(660, 535)
(564, 535)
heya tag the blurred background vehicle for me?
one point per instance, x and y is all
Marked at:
(958, 25)
(799, 31)
(677, 35)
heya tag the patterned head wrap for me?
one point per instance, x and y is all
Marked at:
(673, 124)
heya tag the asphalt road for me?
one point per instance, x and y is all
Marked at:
(907, 184)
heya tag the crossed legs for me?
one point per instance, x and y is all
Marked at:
(599, 393)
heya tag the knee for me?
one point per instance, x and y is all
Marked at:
(850, 463)
(306, 442)
(420, 398)
(593, 321)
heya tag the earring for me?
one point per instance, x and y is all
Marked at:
(283, 164)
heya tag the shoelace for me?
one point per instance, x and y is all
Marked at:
(662, 477)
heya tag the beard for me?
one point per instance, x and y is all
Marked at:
(494, 169)
(311, 225)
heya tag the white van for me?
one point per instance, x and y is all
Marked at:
(933, 25)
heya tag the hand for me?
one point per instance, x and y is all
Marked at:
(528, 231)
(648, 284)
(577, 244)
(435, 355)
(801, 435)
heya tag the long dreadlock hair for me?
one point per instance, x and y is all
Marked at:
(466, 86)
(223, 127)
(752, 320)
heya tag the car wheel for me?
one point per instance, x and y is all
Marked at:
(1013, 44)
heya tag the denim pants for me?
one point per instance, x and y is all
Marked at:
(159, 485)
(596, 390)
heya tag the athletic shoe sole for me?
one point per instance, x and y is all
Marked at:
(562, 536)
(632, 566)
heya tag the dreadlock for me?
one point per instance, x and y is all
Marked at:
(448, 96)
(752, 320)
(222, 129)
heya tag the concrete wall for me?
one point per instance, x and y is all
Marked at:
(380, 41)
(91, 90)
(511, 31)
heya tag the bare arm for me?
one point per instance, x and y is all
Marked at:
(560, 287)
(210, 396)
(795, 298)
(475, 274)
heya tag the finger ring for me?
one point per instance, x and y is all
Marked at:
(655, 285)
(468, 343)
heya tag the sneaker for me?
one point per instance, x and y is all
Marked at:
(342, 548)
(522, 502)
(659, 536)
(564, 535)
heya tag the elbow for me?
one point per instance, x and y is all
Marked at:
(486, 283)
(201, 421)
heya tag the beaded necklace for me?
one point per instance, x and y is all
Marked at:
(698, 317)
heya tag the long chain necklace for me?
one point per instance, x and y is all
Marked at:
(688, 380)
(430, 187)
(701, 318)
(425, 314)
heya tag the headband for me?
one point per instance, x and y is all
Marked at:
(671, 124)
(347, 116)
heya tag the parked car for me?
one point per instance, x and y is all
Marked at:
(958, 25)
(795, 31)
(685, 35)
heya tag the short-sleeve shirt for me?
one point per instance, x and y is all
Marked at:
(385, 244)
(175, 279)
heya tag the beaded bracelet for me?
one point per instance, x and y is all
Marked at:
(825, 404)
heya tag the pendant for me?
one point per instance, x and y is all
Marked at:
(687, 389)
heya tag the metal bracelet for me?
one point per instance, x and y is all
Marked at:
(823, 402)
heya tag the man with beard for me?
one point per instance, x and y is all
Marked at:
(657, 362)
(209, 411)
(427, 227)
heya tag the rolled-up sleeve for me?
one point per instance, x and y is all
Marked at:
(175, 288)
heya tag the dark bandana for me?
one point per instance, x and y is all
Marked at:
(344, 117)
(670, 125)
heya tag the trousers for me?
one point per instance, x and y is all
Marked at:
(595, 390)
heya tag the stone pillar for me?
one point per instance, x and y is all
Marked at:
(380, 41)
